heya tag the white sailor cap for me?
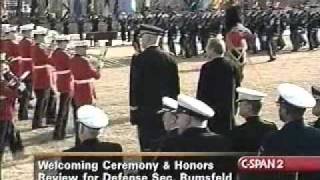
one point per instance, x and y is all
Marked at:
(92, 117)
(27, 27)
(13, 28)
(80, 44)
(42, 28)
(194, 107)
(250, 94)
(5, 26)
(296, 96)
(5, 29)
(169, 104)
(39, 32)
(62, 37)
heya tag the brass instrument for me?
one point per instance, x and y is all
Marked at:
(12, 80)
(97, 62)
(94, 60)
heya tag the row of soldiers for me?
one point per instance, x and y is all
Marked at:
(268, 26)
(30, 67)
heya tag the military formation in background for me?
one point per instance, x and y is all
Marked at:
(267, 26)
(61, 79)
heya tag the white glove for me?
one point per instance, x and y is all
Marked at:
(22, 87)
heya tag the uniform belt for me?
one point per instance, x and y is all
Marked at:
(84, 81)
(15, 59)
(3, 97)
(62, 72)
(25, 59)
(42, 67)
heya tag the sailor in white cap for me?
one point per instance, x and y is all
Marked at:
(147, 88)
(192, 119)
(248, 137)
(169, 109)
(91, 120)
(295, 138)
(316, 109)
(169, 119)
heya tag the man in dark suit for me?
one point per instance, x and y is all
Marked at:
(248, 137)
(295, 138)
(194, 136)
(316, 109)
(217, 85)
(153, 75)
(91, 121)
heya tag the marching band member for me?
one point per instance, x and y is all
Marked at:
(8, 95)
(236, 37)
(84, 74)
(42, 79)
(61, 61)
(10, 48)
(24, 49)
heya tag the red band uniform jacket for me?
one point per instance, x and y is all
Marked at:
(11, 50)
(25, 46)
(84, 75)
(61, 61)
(42, 71)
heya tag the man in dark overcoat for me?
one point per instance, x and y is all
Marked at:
(217, 85)
(153, 75)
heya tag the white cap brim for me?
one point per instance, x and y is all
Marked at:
(296, 96)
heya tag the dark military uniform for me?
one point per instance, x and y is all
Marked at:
(66, 26)
(272, 32)
(316, 94)
(172, 34)
(184, 38)
(153, 75)
(197, 140)
(217, 85)
(123, 29)
(248, 137)
(317, 124)
(80, 24)
(204, 32)
(200, 140)
(312, 30)
(283, 25)
(294, 139)
(92, 145)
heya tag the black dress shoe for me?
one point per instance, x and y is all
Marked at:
(272, 59)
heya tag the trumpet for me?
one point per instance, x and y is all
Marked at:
(14, 82)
